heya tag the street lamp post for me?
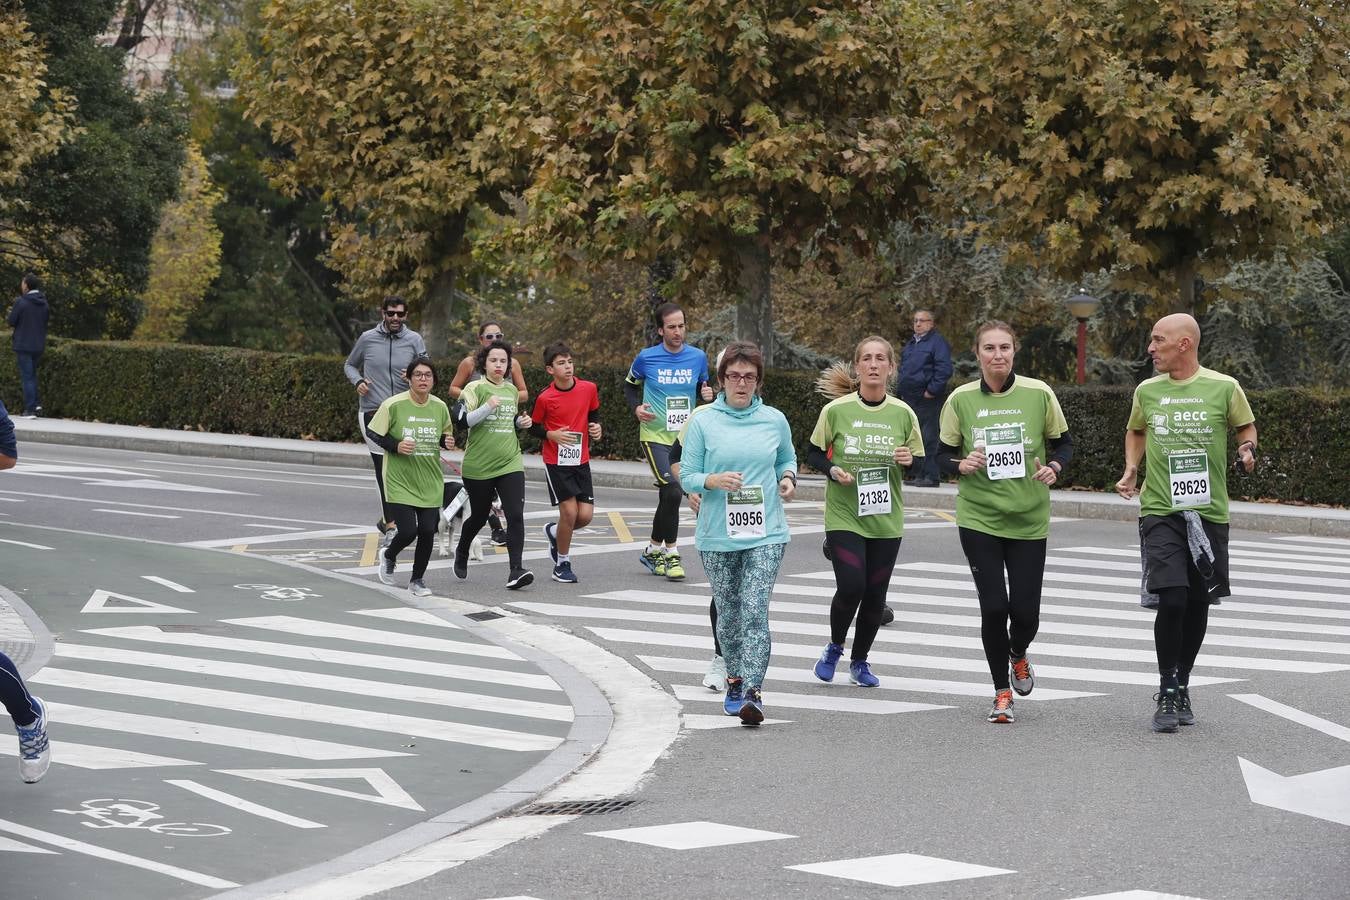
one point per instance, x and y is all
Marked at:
(1081, 306)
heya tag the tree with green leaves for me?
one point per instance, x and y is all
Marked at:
(84, 215)
(387, 108)
(728, 136)
(33, 122)
(1158, 140)
(184, 256)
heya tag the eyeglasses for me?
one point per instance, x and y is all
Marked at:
(421, 375)
(732, 377)
(396, 313)
(921, 321)
(493, 337)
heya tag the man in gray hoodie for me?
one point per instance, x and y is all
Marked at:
(375, 368)
(29, 318)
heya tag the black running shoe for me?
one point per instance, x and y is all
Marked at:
(1184, 714)
(519, 578)
(887, 615)
(1166, 718)
(499, 537)
(461, 565)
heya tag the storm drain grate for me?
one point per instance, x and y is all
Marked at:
(486, 615)
(576, 808)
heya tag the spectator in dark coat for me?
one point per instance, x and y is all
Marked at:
(29, 318)
(925, 369)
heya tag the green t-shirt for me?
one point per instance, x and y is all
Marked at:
(494, 448)
(1185, 425)
(862, 439)
(1003, 499)
(414, 480)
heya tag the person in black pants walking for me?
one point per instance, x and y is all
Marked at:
(925, 368)
(29, 318)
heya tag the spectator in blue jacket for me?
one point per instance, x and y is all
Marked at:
(29, 318)
(925, 369)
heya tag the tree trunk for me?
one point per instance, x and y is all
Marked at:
(1184, 300)
(439, 303)
(754, 305)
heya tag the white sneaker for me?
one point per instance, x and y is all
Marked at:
(35, 751)
(716, 679)
(418, 588)
(476, 550)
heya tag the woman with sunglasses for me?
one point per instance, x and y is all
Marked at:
(492, 461)
(739, 456)
(412, 427)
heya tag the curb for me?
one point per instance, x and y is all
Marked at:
(1283, 519)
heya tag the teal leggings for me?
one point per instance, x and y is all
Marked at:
(742, 583)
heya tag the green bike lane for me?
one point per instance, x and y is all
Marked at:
(219, 719)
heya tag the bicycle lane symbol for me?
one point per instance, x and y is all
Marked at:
(279, 592)
(138, 814)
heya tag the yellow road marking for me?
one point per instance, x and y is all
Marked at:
(239, 548)
(620, 528)
(368, 550)
(943, 515)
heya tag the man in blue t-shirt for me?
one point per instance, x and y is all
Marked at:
(663, 385)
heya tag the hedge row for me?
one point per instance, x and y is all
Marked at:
(291, 396)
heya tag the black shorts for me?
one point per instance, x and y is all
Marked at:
(1167, 553)
(568, 483)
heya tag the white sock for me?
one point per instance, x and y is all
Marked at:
(563, 557)
(656, 548)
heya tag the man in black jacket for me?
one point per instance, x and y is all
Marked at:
(29, 318)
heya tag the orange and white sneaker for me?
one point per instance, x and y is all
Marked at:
(1002, 712)
(1023, 676)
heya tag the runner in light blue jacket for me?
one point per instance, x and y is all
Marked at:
(739, 456)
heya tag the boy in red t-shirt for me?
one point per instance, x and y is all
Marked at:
(567, 418)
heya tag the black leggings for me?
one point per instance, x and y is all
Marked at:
(1179, 629)
(414, 523)
(862, 575)
(666, 520)
(511, 489)
(386, 510)
(1009, 614)
(18, 702)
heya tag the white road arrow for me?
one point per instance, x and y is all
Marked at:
(387, 791)
(98, 602)
(1323, 795)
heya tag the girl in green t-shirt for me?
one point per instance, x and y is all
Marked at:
(489, 408)
(994, 434)
(864, 440)
(412, 427)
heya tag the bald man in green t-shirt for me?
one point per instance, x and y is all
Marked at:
(1179, 423)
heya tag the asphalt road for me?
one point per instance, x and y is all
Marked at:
(902, 790)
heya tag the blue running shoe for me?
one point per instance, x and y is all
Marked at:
(551, 532)
(734, 700)
(752, 710)
(860, 673)
(562, 572)
(828, 660)
(35, 751)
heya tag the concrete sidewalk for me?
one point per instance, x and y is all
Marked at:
(1276, 517)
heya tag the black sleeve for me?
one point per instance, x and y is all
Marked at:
(389, 444)
(949, 459)
(1061, 450)
(538, 430)
(632, 395)
(593, 416)
(676, 451)
(817, 459)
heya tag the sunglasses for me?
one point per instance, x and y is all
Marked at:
(396, 313)
(493, 337)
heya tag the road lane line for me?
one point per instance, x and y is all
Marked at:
(1327, 727)
(65, 843)
(301, 710)
(252, 539)
(239, 803)
(407, 614)
(355, 633)
(368, 548)
(320, 681)
(620, 527)
(132, 512)
(171, 585)
(26, 544)
(179, 729)
(686, 693)
(381, 662)
(88, 756)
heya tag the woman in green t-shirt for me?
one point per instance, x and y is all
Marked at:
(864, 440)
(412, 427)
(492, 464)
(994, 434)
